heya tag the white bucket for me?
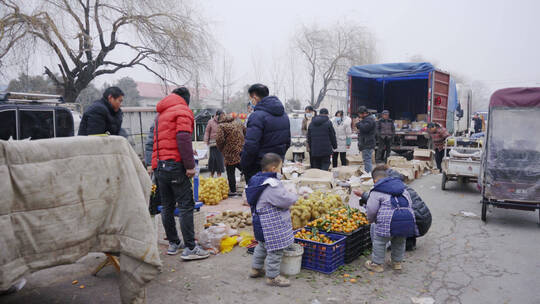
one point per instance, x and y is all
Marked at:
(292, 260)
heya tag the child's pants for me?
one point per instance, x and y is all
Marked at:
(273, 260)
(379, 247)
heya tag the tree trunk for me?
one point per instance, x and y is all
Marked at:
(70, 93)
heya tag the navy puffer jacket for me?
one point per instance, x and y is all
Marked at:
(100, 118)
(268, 130)
(366, 133)
(321, 137)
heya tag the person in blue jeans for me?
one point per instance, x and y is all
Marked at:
(366, 137)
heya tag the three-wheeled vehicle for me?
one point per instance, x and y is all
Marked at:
(461, 161)
(297, 151)
(511, 160)
(34, 116)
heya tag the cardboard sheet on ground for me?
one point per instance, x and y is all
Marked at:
(64, 197)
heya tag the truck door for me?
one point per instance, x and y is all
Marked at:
(439, 84)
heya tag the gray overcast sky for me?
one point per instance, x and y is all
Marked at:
(497, 42)
(494, 41)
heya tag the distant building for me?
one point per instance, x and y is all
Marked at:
(152, 93)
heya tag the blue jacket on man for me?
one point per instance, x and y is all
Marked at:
(268, 130)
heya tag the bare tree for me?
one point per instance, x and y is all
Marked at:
(329, 53)
(257, 66)
(165, 37)
(224, 76)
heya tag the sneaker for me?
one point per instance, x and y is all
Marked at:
(174, 248)
(197, 253)
(374, 267)
(278, 281)
(397, 266)
(256, 273)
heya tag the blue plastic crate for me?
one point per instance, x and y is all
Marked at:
(325, 258)
(197, 207)
(356, 242)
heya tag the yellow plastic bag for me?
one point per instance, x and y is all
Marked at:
(227, 244)
(247, 238)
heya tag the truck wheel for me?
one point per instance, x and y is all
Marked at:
(484, 211)
(443, 181)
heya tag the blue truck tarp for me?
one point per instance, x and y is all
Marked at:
(410, 70)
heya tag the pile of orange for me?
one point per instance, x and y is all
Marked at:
(313, 235)
(344, 220)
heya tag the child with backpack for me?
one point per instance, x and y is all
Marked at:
(389, 210)
(270, 202)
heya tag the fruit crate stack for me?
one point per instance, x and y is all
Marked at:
(356, 243)
(325, 257)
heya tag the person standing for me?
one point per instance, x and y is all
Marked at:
(438, 135)
(321, 139)
(385, 134)
(309, 114)
(477, 123)
(173, 159)
(269, 202)
(268, 130)
(104, 115)
(229, 141)
(366, 137)
(215, 159)
(249, 111)
(342, 126)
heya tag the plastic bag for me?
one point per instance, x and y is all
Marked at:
(211, 237)
(247, 238)
(227, 244)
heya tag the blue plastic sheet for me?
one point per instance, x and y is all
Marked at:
(393, 71)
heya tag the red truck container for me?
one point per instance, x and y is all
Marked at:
(414, 93)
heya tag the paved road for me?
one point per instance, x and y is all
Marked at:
(461, 260)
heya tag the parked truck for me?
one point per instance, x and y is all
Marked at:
(414, 93)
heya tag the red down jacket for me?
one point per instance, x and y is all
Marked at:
(174, 116)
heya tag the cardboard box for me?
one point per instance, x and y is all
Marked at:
(398, 161)
(425, 153)
(421, 117)
(355, 159)
(399, 123)
(345, 172)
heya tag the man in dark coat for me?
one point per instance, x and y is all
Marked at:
(477, 123)
(321, 138)
(104, 115)
(366, 137)
(385, 134)
(268, 130)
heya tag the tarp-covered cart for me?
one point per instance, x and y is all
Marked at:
(511, 162)
(461, 161)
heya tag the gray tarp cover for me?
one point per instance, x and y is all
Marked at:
(62, 198)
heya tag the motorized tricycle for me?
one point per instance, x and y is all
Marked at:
(510, 175)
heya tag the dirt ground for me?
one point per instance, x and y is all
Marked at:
(460, 260)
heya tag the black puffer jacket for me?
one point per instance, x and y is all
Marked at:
(421, 210)
(321, 136)
(366, 133)
(100, 118)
